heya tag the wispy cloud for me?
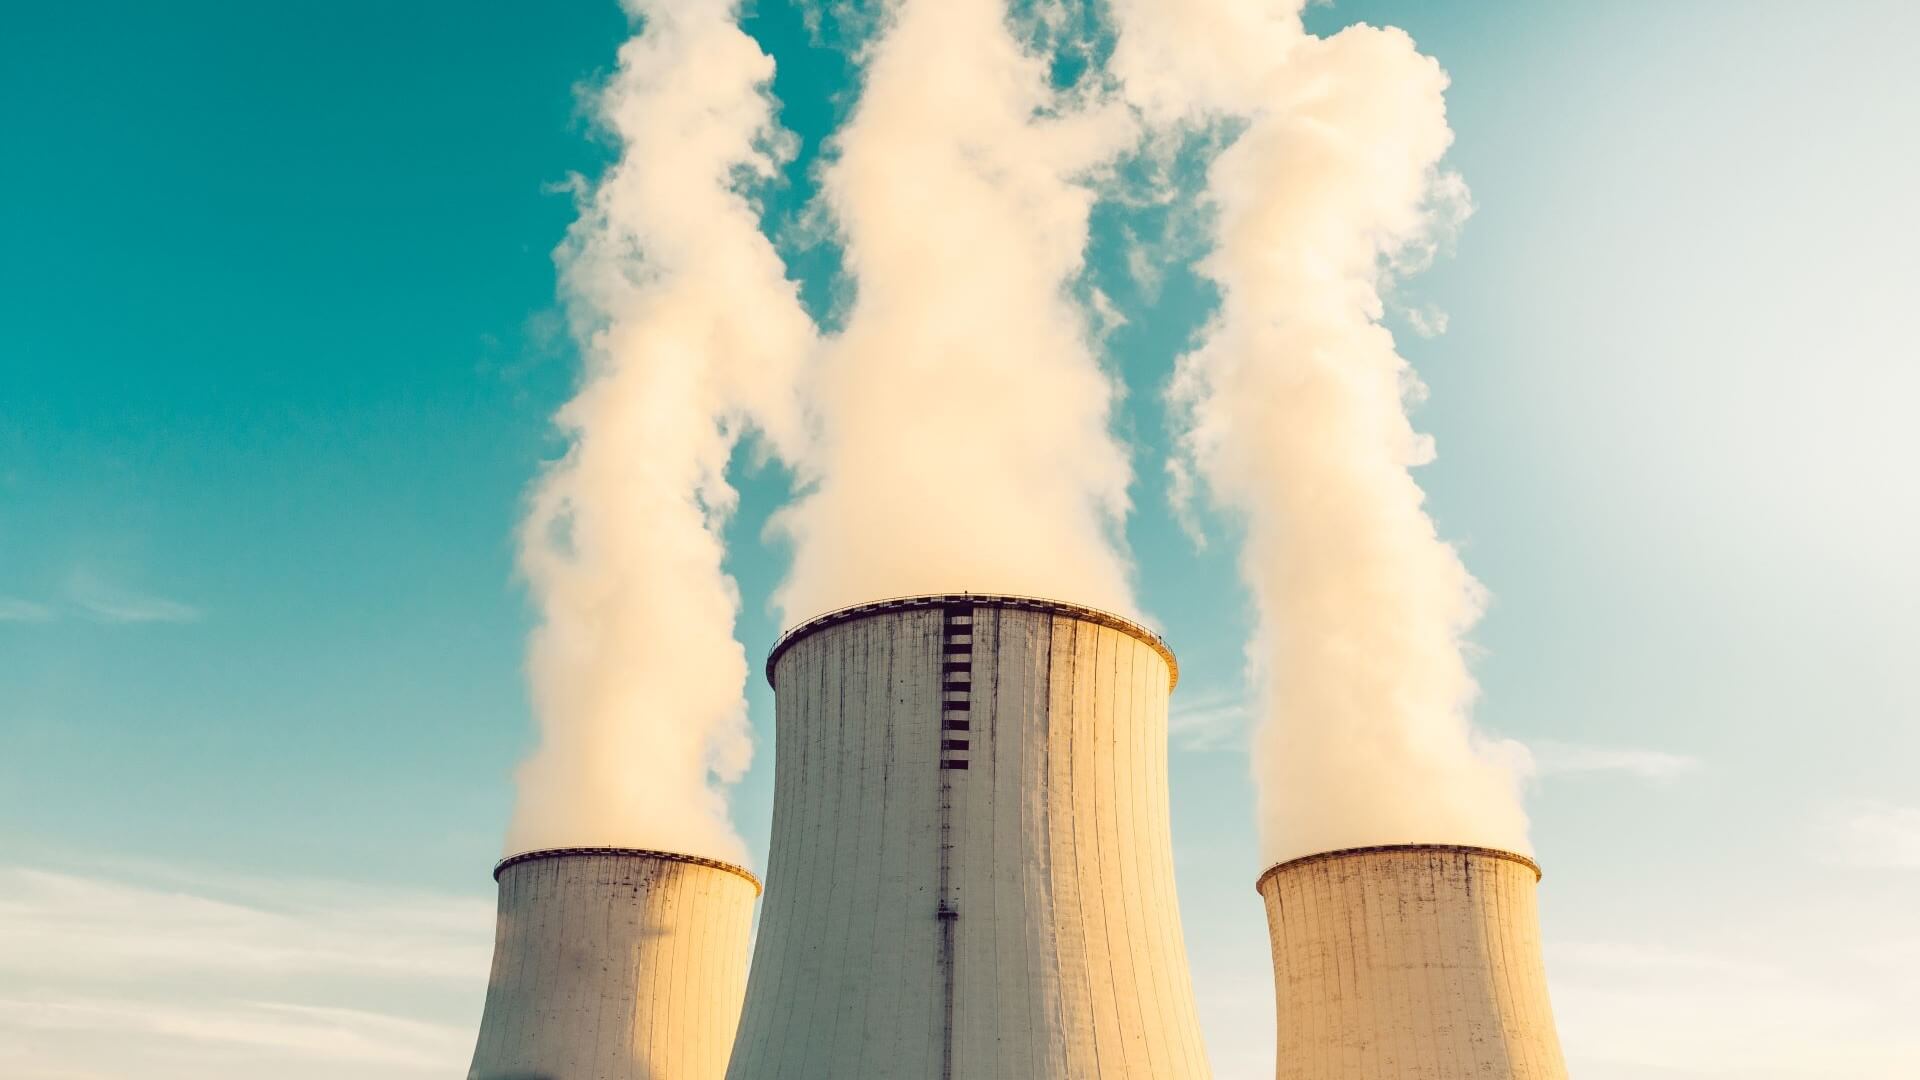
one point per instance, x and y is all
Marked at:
(139, 609)
(1552, 758)
(1870, 834)
(62, 924)
(312, 1032)
(1627, 1008)
(1653, 960)
(1429, 321)
(13, 609)
(1209, 720)
(228, 976)
(104, 602)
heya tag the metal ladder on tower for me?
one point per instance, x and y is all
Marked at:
(956, 728)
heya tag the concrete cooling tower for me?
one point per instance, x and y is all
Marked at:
(615, 964)
(1420, 962)
(971, 873)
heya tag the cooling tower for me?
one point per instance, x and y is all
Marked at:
(1420, 962)
(971, 874)
(615, 964)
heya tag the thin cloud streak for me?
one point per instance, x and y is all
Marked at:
(56, 924)
(1628, 1007)
(14, 609)
(1552, 758)
(139, 609)
(1208, 721)
(233, 976)
(303, 1031)
(104, 602)
(1873, 835)
(1817, 987)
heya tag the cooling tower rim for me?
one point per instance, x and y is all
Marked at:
(1388, 849)
(646, 853)
(992, 600)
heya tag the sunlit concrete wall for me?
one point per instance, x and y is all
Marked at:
(614, 964)
(1415, 962)
(971, 873)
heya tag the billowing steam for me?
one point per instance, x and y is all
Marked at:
(1293, 411)
(963, 438)
(956, 431)
(691, 334)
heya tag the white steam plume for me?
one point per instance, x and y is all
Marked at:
(964, 439)
(691, 333)
(1294, 416)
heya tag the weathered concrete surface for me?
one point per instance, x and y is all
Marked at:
(1419, 962)
(1014, 917)
(613, 964)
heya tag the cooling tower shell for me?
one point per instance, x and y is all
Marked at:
(1420, 962)
(615, 964)
(971, 871)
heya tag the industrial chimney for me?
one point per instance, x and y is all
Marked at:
(615, 964)
(1418, 961)
(971, 873)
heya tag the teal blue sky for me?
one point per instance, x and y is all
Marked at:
(278, 350)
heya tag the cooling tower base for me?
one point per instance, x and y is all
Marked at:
(615, 964)
(1419, 962)
(971, 869)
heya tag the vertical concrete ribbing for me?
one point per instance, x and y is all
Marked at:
(615, 964)
(1420, 962)
(1062, 961)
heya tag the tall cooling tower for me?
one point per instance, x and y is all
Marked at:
(1420, 962)
(971, 874)
(615, 964)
